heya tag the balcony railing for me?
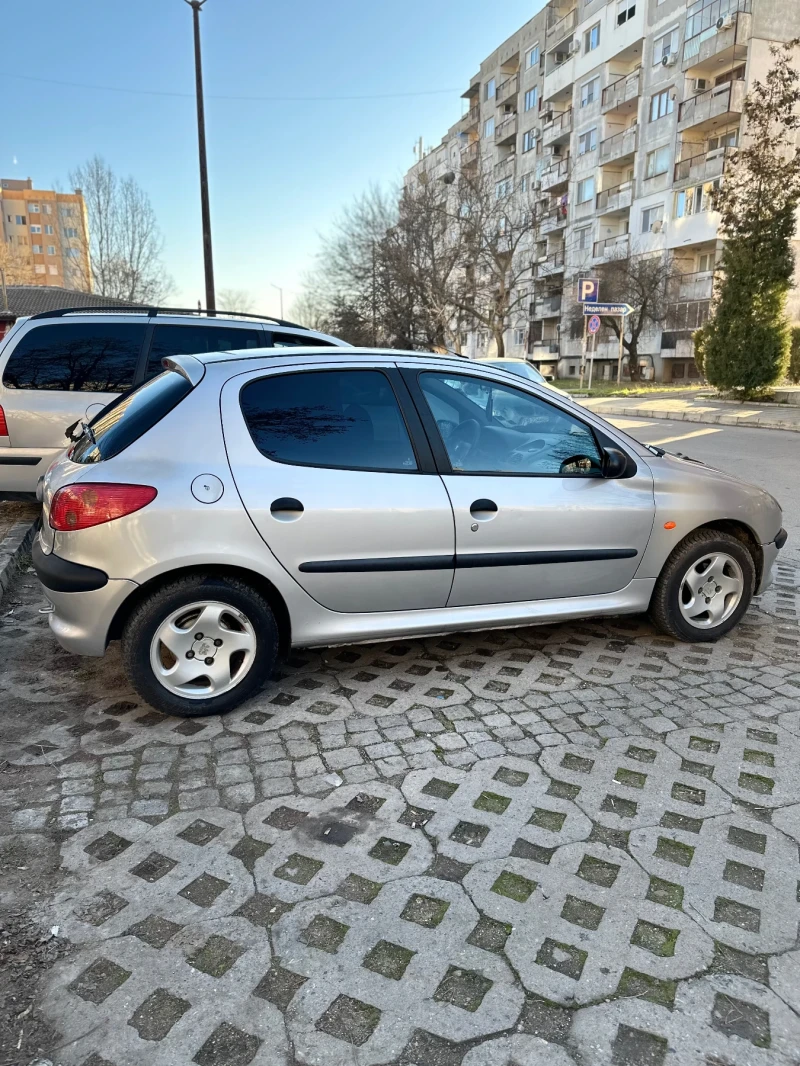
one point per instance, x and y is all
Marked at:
(472, 118)
(559, 127)
(556, 174)
(612, 247)
(566, 24)
(469, 154)
(721, 100)
(620, 145)
(550, 307)
(704, 40)
(504, 166)
(553, 220)
(703, 167)
(553, 264)
(696, 286)
(622, 90)
(617, 198)
(544, 349)
(506, 89)
(506, 130)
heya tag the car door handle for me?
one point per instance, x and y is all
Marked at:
(483, 510)
(286, 509)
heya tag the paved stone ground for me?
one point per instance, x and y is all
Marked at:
(566, 845)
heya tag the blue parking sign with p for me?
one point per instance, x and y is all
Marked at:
(588, 290)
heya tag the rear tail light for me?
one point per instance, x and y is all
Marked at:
(3, 423)
(92, 503)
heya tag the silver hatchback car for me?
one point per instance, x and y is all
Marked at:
(241, 502)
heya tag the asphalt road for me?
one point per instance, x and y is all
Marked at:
(766, 457)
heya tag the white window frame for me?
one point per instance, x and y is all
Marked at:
(657, 99)
(49, 231)
(52, 269)
(528, 141)
(583, 238)
(518, 335)
(20, 220)
(654, 213)
(659, 52)
(585, 185)
(490, 89)
(626, 9)
(594, 85)
(531, 98)
(532, 56)
(33, 209)
(37, 250)
(39, 268)
(488, 127)
(35, 228)
(654, 156)
(586, 146)
(589, 36)
(51, 249)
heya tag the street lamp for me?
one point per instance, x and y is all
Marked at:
(280, 290)
(208, 258)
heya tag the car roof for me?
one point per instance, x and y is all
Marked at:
(338, 352)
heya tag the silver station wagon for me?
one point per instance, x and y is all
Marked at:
(243, 502)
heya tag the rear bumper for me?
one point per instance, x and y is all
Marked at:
(60, 575)
(21, 468)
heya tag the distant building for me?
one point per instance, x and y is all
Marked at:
(621, 116)
(45, 236)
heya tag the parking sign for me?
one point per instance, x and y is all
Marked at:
(594, 324)
(588, 290)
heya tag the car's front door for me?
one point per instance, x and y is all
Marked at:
(336, 475)
(535, 519)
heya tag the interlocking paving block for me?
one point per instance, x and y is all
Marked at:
(154, 873)
(134, 725)
(47, 746)
(512, 673)
(403, 962)
(315, 844)
(379, 684)
(787, 819)
(594, 662)
(784, 978)
(632, 782)
(518, 1051)
(716, 1021)
(484, 812)
(755, 761)
(128, 1002)
(790, 720)
(580, 921)
(738, 875)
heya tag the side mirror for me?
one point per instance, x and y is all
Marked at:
(615, 463)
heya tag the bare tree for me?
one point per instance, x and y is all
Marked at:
(125, 243)
(235, 300)
(16, 262)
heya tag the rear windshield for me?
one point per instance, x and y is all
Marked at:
(129, 417)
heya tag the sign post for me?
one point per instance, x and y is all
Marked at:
(621, 350)
(592, 313)
(588, 290)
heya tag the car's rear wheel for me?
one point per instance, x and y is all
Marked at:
(705, 587)
(200, 645)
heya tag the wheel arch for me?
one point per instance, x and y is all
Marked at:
(260, 583)
(745, 535)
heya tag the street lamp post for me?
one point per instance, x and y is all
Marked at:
(280, 290)
(208, 258)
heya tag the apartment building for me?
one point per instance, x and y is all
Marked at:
(621, 117)
(45, 236)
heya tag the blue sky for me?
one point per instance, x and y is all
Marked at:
(281, 168)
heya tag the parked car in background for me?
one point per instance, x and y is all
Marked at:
(63, 366)
(523, 369)
(243, 502)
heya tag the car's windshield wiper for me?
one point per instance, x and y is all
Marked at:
(656, 450)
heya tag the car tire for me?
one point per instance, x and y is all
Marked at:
(246, 607)
(673, 601)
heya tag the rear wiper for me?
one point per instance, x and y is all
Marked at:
(87, 431)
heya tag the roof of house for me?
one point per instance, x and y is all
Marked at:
(32, 299)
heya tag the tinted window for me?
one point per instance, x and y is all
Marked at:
(294, 340)
(337, 418)
(498, 429)
(194, 340)
(129, 417)
(522, 370)
(76, 357)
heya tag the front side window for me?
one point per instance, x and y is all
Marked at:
(531, 98)
(491, 428)
(657, 162)
(589, 92)
(585, 190)
(76, 357)
(661, 104)
(488, 127)
(346, 419)
(193, 339)
(591, 39)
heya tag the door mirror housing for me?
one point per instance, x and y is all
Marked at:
(616, 463)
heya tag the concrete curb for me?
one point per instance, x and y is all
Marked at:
(691, 416)
(13, 546)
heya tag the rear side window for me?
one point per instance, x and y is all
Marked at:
(76, 357)
(130, 417)
(192, 339)
(348, 419)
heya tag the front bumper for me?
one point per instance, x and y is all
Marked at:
(770, 553)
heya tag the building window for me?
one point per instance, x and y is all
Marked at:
(587, 142)
(488, 127)
(73, 253)
(586, 190)
(52, 269)
(51, 249)
(532, 57)
(519, 336)
(70, 231)
(36, 229)
(503, 188)
(591, 39)
(48, 230)
(33, 209)
(657, 162)
(573, 370)
(705, 262)
(531, 98)
(695, 200)
(37, 250)
(626, 9)
(665, 45)
(528, 141)
(583, 238)
(651, 215)
(21, 220)
(524, 182)
(66, 212)
(661, 104)
(39, 268)
(47, 209)
(490, 89)
(589, 92)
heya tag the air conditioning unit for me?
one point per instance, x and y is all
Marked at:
(536, 133)
(670, 60)
(575, 47)
(724, 22)
(657, 226)
(698, 85)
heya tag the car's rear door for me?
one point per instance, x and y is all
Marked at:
(334, 469)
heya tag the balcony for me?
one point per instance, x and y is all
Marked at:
(553, 264)
(548, 307)
(612, 248)
(469, 155)
(716, 106)
(616, 199)
(558, 130)
(471, 119)
(504, 167)
(620, 147)
(506, 132)
(553, 221)
(556, 176)
(706, 46)
(561, 28)
(703, 167)
(623, 94)
(543, 350)
(696, 286)
(507, 90)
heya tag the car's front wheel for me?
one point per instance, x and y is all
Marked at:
(705, 587)
(200, 645)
